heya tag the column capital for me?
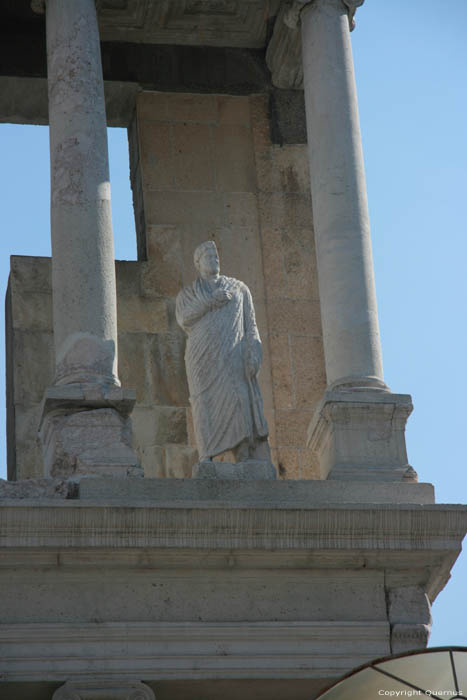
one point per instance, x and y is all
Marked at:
(291, 17)
(284, 52)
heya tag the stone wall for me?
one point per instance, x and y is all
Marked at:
(203, 167)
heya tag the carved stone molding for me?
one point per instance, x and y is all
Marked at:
(236, 23)
(186, 650)
(409, 613)
(101, 690)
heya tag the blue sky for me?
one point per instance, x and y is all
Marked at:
(411, 69)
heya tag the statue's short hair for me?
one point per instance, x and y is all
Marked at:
(201, 249)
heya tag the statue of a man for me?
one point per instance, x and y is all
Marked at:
(223, 357)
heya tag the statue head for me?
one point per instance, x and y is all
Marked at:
(206, 259)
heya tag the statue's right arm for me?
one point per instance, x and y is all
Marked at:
(189, 308)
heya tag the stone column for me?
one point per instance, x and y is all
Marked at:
(340, 209)
(358, 430)
(83, 265)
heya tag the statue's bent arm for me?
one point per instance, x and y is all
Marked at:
(189, 309)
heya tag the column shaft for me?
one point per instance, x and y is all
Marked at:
(83, 267)
(340, 209)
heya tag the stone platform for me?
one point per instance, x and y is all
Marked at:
(204, 588)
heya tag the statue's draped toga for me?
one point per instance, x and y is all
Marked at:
(223, 356)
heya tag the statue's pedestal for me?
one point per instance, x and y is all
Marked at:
(203, 588)
(257, 469)
(86, 431)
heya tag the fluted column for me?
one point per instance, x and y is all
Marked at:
(83, 266)
(340, 210)
(85, 428)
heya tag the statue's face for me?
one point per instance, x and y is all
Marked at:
(209, 263)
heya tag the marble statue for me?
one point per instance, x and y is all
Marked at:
(223, 358)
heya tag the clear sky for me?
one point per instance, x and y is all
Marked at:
(411, 69)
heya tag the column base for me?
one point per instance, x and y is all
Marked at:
(86, 431)
(357, 435)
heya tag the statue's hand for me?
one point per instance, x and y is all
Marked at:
(253, 358)
(221, 297)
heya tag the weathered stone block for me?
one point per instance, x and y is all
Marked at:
(32, 311)
(264, 377)
(309, 468)
(291, 165)
(260, 127)
(158, 425)
(34, 364)
(88, 443)
(30, 274)
(288, 463)
(193, 156)
(295, 316)
(183, 207)
(28, 458)
(299, 264)
(235, 165)
(285, 211)
(254, 470)
(241, 247)
(281, 367)
(152, 458)
(240, 210)
(291, 428)
(273, 261)
(192, 107)
(133, 364)
(162, 275)
(101, 690)
(233, 110)
(139, 314)
(309, 371)
(179, 461)
(156, 155)
(409, 613)
(128, 273)
(36, 488)
(166, 369)
(152, 106)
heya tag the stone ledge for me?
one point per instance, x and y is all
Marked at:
(190, 650)
(349, 527)
(270, 493)
(37, 488)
